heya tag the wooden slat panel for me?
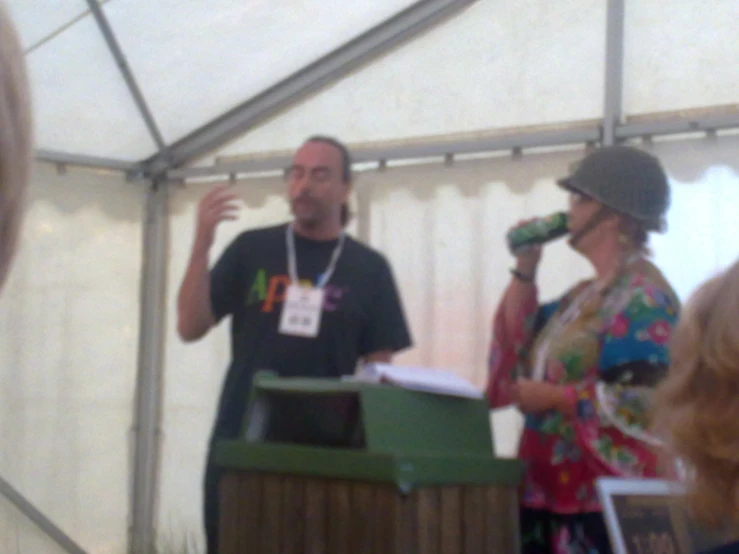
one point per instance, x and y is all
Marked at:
(339, 517)
(406, 523)
(263, 513)
(272, 514)
(250, 528)
(362, 518)
(502, 531)
(316, 526)
(451, 520)
(507, 512)
(385, 510)
(474, 519)
(229, 507)
(429, 520)
(293, 516)
(494, 535)
(514, 520)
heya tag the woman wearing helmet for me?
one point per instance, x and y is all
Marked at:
(583, 368)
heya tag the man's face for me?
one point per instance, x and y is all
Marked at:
(316, 187)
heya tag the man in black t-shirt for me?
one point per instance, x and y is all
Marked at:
(304, 298)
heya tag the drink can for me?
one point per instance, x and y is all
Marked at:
(538, 231)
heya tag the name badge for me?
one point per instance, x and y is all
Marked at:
(301, 312)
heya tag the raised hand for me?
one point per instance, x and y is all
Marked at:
(216, 206)
(527, 258)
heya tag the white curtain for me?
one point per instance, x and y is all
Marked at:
(453, 266)
(452, 263)
(69, 313)
(442, 229)
(69, 316)
(194, 372)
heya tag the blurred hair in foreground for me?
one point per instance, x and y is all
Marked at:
(697, 405)
(16, 141)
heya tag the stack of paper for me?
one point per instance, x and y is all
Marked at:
(417, 378)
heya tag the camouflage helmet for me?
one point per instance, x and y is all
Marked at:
(625, 179)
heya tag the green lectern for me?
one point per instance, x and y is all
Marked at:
(327, 466)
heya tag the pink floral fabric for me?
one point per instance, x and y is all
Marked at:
(563, 455)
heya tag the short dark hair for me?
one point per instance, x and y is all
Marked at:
(346, 168)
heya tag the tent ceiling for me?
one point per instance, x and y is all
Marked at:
(193, 61)
(81, 100)
(423, 90)
(39, 21)
(197, 60)
(204, 70)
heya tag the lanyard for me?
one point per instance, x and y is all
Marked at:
(292, 264)
(557, 326)
(570, 314)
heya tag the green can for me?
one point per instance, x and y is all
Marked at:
(538, 231)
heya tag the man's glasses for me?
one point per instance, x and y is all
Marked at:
(316, 174)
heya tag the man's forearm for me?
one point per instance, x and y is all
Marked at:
(194, 312)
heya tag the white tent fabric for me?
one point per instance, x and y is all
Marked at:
(20, 535)
(442, 229)
(70, 312)
(69, 321)
(487, 70)
(665, 70)
(481, 71)
(193, 61)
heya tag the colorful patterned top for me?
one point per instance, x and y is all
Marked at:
(606, 347)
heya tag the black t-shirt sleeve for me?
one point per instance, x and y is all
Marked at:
(226, 280)
(387, 328)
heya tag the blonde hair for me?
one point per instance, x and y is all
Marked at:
(16, 140)
(697, 405)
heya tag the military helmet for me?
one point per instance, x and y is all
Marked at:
(625, 179)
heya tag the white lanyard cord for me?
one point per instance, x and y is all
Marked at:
(571, 313)
(292, 264)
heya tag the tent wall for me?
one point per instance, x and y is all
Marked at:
(70, 312)
(18, 534)
(69, 319)
(679, 57)
(487, 69)
(194, 372)
(442, 230)
(484, 69)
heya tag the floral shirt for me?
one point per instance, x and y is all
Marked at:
(601, 346)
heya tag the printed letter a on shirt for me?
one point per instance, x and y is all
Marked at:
(258, 290)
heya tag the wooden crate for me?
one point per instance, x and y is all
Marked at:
(280, 514)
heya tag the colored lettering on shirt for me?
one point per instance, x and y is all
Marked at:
(271, 292)
(275, 292)
(258, 291)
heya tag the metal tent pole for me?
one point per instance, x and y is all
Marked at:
(133, 87)
(150, 378)
(45, 524)
(613, 101)
(147, 416)
(411, 22)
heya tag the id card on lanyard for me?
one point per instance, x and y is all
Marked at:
(303, 306)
